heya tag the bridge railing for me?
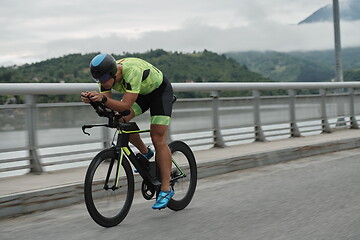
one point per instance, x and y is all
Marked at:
(37, 137)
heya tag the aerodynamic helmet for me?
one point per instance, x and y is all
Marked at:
(103, 67)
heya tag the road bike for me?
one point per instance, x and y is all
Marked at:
(109, 182)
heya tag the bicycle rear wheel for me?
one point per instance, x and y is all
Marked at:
(108, 201)
(183, 175)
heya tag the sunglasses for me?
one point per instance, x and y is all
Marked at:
(104, 78)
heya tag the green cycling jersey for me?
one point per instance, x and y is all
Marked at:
(139, 77)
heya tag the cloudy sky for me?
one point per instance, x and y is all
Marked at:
(40, 29)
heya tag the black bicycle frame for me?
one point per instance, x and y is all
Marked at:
(122, 149)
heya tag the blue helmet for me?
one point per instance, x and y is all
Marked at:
(102, 67)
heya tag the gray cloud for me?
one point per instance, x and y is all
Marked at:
(40, 29)
(197, 37)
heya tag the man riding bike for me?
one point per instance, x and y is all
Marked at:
(144, 87)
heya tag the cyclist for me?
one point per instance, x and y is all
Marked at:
(144, 87)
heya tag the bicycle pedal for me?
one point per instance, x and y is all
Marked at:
(155, 182)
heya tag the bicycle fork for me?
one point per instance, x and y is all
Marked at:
(120, 149)
(117, 176)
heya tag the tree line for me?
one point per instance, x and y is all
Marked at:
(202, 66)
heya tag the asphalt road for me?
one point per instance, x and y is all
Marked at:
(311, 198)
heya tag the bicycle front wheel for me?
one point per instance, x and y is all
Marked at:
(108, 188)
(183, 175)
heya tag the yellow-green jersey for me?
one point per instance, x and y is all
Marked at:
(155, 91)
(139, 77)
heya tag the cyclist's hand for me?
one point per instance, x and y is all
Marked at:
(93, 96)
(85, 97)
(96, 97)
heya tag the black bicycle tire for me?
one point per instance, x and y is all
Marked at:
(182, 147)
(94, 213)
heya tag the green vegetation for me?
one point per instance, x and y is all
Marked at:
(352, 75)
(283, 67)
(314, 66)
(70, 68)
(206, 66)
(350, 57)
(178, 67)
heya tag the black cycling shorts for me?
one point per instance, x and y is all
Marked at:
(159, 102)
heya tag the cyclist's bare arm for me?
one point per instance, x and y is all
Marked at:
(125, 104)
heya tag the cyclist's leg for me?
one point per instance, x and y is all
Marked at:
(136, 140)
(160, 111)
(163, 155)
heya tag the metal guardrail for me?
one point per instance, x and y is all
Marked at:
(224, 127)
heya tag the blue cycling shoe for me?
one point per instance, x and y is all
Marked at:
(163, 199)
(148, 155)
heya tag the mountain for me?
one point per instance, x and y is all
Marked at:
(350, 57)
(282, 67)
(317, 66)
(203, 66)
(349, 11)
(352, 75)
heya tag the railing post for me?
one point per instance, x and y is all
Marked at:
(106, 136)
(218, 139)
(324, 119)
(340, 122)
(294, 129)
(31, 121)
(353, 122)
(259, 134)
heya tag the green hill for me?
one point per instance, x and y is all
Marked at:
(352, 75)
(350, 57)
(178, 67)
(283, 67)
(314, 66)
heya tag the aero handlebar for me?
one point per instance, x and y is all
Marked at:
(104, 111)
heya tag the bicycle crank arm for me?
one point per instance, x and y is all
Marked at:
(155, 182)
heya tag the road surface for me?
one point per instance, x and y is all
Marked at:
(311, 198)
